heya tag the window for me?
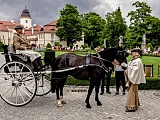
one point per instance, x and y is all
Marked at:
(26, 21)
(52, 36)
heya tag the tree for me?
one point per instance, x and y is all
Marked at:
(69, 25)
(1, 45)
(139, 20)
(153, 32)
(115, 27)
(93, 26)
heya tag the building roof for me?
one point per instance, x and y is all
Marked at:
(3, 28)
(4, 24)
(49, 28)
(33, 30)
(25, 13)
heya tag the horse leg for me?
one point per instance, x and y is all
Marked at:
(96, 94)
(89, 94)
(59, 104)
(61, 92)
(102, 86)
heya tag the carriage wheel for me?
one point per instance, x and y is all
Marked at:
(17, 83)
(43, 82)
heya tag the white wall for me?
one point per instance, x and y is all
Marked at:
(23, 22)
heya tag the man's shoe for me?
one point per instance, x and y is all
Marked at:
(108, 92)
(132, 110)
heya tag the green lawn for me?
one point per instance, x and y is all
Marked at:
(148, 60)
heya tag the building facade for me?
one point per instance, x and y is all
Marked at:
(39, 35)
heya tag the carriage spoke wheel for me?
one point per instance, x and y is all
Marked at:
(43, 82)
(17, 83)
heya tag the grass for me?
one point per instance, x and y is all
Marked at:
(148, 60)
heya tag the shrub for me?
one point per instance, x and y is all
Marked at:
(151, 83)
(1, 46)
(149, 45)
(57, 44)
(84, 46)
(49, 47)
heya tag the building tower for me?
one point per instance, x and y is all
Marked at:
(25, 19)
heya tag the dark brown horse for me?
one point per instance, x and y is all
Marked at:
(93, 67)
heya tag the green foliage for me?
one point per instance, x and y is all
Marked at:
(151, 83)
(1, 46)
(48, 47)
(74, 81)
(57, 44)
(142, 23)
(71, 46)
(84, 46)
(149, 45)
(69, 25)
(114, 28)
(93, 25)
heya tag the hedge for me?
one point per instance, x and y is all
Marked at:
(151, 83)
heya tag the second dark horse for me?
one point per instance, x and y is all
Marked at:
(94, 72)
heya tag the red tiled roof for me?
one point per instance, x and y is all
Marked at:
(52, 23)
(9, 24)
(3, 27)
(36, 29)
(49, 28)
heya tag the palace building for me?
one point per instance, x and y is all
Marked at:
(39, 35)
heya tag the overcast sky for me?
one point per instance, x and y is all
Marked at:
(45, 11)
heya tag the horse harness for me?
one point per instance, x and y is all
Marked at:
(88, 61)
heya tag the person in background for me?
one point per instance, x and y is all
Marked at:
(25, 48)
(120, 78)
(135, 76)
(108, 79)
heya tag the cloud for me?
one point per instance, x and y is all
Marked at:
(45, 11)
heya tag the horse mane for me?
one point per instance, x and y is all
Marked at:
(109, 53)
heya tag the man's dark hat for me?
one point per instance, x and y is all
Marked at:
(137, 50)
(18, 27)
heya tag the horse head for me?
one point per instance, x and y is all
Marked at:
(118, 53)
(122, 55)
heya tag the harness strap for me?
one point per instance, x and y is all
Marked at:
(101, 59)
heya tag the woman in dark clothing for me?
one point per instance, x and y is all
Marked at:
(120, 78)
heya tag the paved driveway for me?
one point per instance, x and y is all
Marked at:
(44, 107)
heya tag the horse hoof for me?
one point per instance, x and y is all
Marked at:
(101, 93)
(99, 103)
(63, 102)
(88, 106)
(59, 105)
